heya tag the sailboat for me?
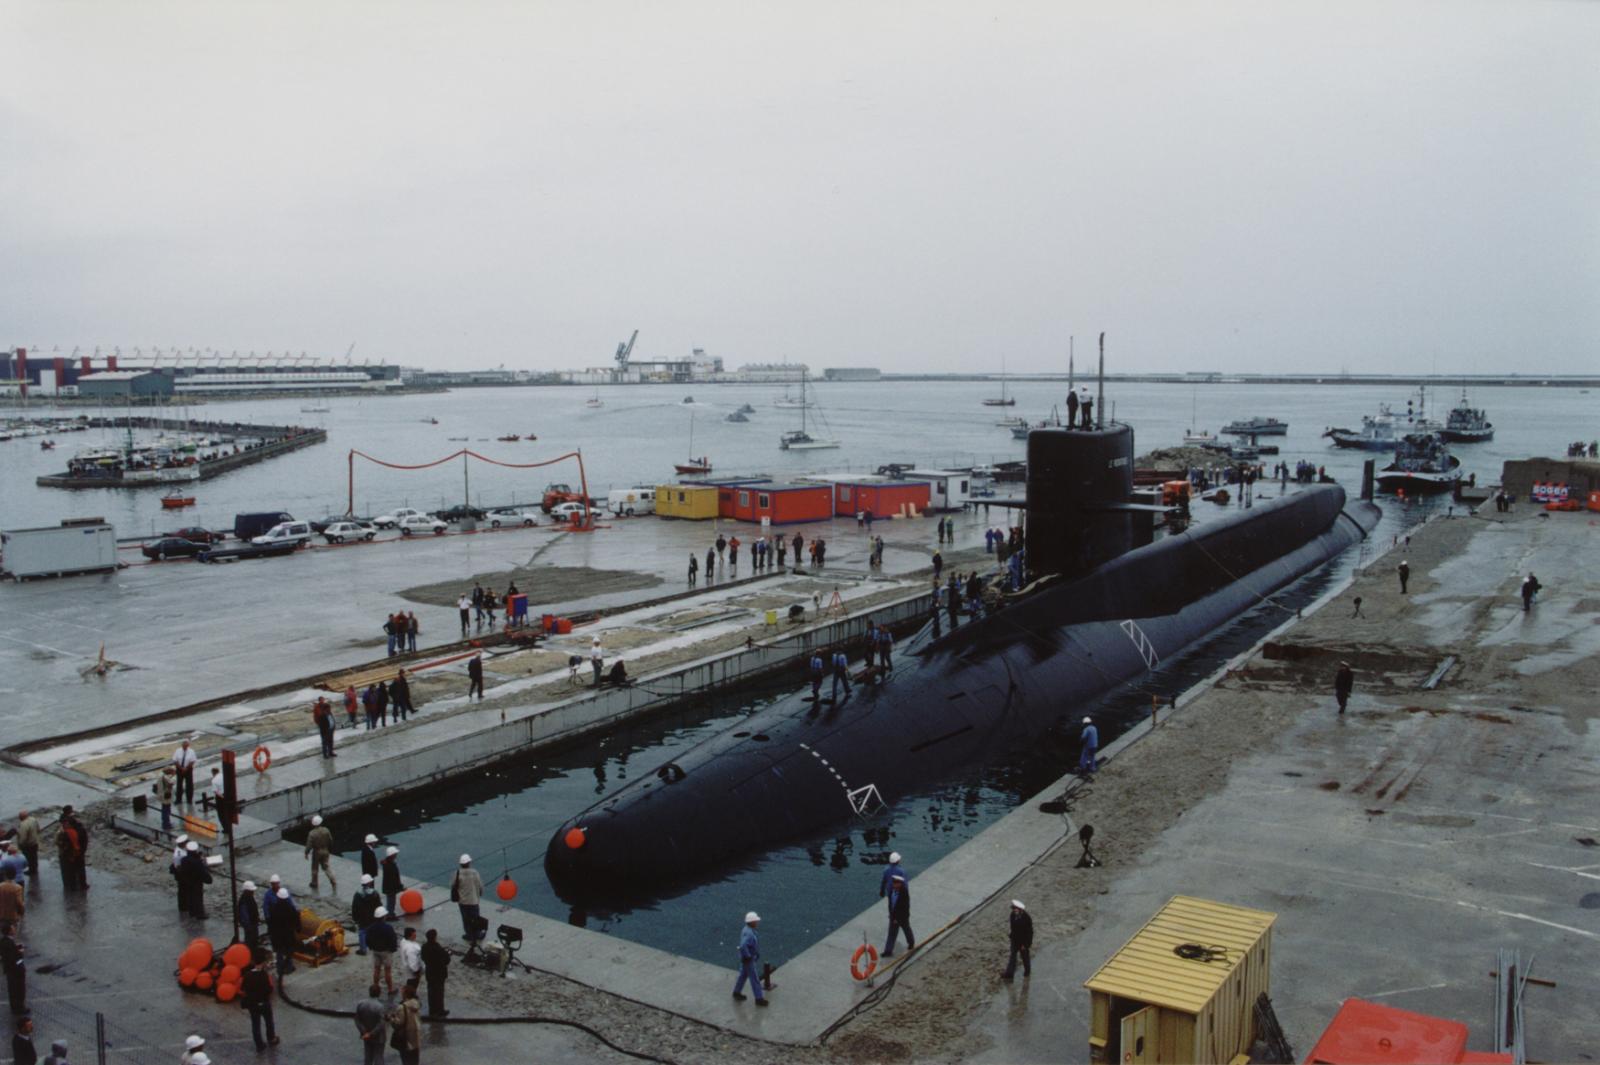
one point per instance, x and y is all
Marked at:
(694, 465)
(1197, 437)
(593, 402)
(1004, 400)
(799, 439)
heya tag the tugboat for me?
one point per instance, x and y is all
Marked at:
(1382, 432)
(1422, 465)
(1466, 424)
(1256, 427)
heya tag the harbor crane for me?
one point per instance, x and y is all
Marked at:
(624, 353)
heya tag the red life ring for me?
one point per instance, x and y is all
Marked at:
(262, 759)
(872, 961)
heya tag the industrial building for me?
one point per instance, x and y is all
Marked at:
(191, 373)
(119, 384)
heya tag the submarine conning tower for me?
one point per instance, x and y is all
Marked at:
(1079, 482)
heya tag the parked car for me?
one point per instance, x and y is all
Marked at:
(172, 547)
(420, 523)
(461, 512)
(513, 516)
(392, 520)
(249, 526)
(288, 532)
(321, 526)
(567, 511)
(199, 535)
(339, 531)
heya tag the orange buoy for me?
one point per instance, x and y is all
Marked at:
(226, 992)
(186, 976)
(411, 901)
(871, 953)
(575, 838)
(230, 975)
(506, 889)
(203, 981)
(262, 759)
(237, 955)
(197, 956)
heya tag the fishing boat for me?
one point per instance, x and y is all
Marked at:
(47, 445)
(1466, 424)
(1014, 421)
(1422, 465)
(174, 501)
(509, 438)
(1383, 431)
(693, 465)
(1256, 427)
(736, 416)
(799, 439)
(1004, 400)
(1199, 438)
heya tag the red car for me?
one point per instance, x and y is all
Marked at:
(198, 536)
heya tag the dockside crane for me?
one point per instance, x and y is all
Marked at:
(624, 353)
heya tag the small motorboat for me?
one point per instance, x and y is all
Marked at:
(47, 445)
(510, 438)
(430, 421)
(173, 501)
(530, 436)
(687, 399)
(736, 416)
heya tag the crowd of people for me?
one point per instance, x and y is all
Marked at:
(766, 553)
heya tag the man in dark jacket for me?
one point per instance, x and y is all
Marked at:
(436, 966)
(193, 876)
(391, 879)
(1343, 682)
(899, 915)
(23, 1052)
(256, 991)
(283, 926)
(475, 676)
(1021, 941)
(400, 694)
(369, 856)
(362, 908)
(249, 916)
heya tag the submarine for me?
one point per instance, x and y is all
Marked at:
(1105, 604)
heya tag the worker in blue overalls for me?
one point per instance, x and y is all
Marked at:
(1091, 747)
(841, 672)
(749, 954)
(886, 648)
(816, 678)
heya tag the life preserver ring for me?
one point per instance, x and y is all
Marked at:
(872, 961)
(262, 759)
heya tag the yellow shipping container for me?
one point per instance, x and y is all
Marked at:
(694, 502)
(1183, 990)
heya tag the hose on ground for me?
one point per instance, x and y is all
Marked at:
(324, 1011)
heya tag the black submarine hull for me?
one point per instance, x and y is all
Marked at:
(796, 769)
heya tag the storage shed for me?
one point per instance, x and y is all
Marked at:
(693, 502)
(1183, 989)
(885, 499)
(782, 503)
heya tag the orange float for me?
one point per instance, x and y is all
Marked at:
(237, 956)
(262, 759)
(574, 838)
(227, 992)
(186, 977)
(871, 953)
(411, 901)
(203, 981)
(230, 975)
(506, 889)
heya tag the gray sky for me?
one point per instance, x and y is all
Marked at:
(1240, 186)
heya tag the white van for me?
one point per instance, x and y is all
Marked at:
(297, 532)
(630, 501)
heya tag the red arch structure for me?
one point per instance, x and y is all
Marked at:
(583, 480)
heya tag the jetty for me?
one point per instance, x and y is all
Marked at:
(265, 442)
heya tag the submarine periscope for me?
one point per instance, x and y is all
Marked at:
(1105, 603)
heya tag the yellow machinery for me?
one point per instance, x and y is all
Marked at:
(319, 940)
(1183, 989)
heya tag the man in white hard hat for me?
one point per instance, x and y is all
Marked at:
(364, 909)
(270, 901)
(890, 871)
(1021, 931)
(383, 942)
(283, 927)
(172, 867)
(369, 856)
(1087, 757)
(391, 885)
(466, 888)
(193, 876)
(249, 914)
(319, 848)
(749, 954)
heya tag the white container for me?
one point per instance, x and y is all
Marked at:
(87, 546)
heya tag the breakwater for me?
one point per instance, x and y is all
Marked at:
(267, 441)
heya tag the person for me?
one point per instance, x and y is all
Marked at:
(816, 677)
(183, 762)
(72, 850)
(413, 629)
(12, 904)
(721, 545)
(1343, 682)
(249, 916)
(351, 700)
(255, 988)
(885, 648)
(410, 956)
(464, 606)
(467, 889)
(383, 942)
(1357, 613)
(1530, 589)
(369, 1024)
(436, 965)
(799, 542)
(363, 910)
(407, 1028)
(490, 602)
(391, 886)
(214, 793)
(783, 548)
(711, 563)
(163, 788)
(283, 929)
(822, 551)
(382, 698)
(58, 1053)
(733, 552)
(1090, 740)
(694, 568)
(15, 862)
(1404, 569)
(391, 630)
(617, 676)
(938, 564)
(1072, 408)
(475, 677)
(319, 848)
(23, 1052)
(749, 954)
(1088, 410)
(596, 658)
(322, 715)
(369, 855)
(369, 702)
(400, 692)
(173, 863)
(899, 915)
(477, 604)
(841, 672)
(193, 876)
(11, 959)
(28, 836)
(1021, 941)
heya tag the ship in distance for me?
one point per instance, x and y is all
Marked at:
(1105, 604)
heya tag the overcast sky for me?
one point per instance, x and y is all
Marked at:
(915, 186)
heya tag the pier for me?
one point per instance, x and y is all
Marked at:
(276, 440)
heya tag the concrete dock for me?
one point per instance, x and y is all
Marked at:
(1400, 845)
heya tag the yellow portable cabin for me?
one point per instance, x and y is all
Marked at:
(696, 502)
(1183, 990)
